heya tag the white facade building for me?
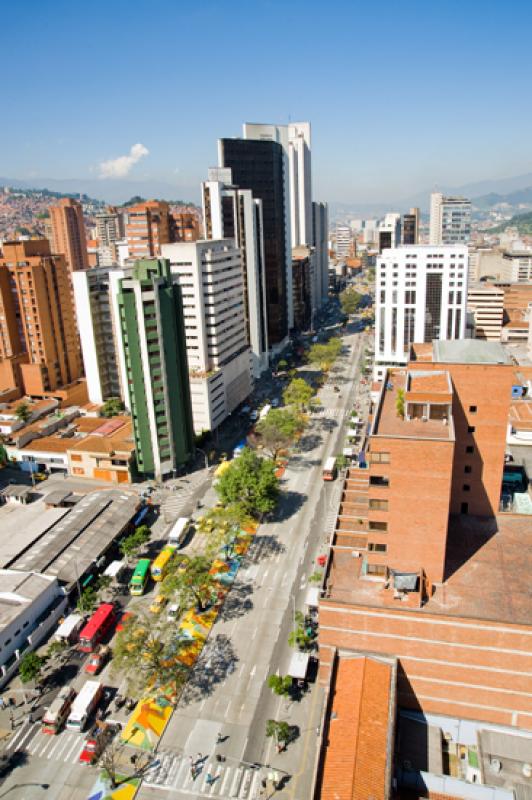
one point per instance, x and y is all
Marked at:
(98, 341)
(344, 241)
(219, 356)
(300, 183)
(230, 212)
(486, 303)
(30, 605)
(450, 219)
(421, 295)
(517, 266)
(389, 231)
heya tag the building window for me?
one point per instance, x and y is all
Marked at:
(473, 409)
(379, 480)
(373, 525)
(464, 508)
(467, 469)
(471, 429)
(378, 505)
(75, 458)
(376, 569)
(374, 547)
(469, 448)
(380, 458)
(466, 487)
(78, 471)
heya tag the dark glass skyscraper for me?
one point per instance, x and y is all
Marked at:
(258, 165)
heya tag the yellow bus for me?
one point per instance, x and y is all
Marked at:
(159, 566)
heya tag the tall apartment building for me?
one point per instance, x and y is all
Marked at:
(320, 222)
(38, 335)
(421, 295)
(148, 318)
(450, 219)
(419, 565)
(517, 266)
(68, 233)
(303, 266)
(389, 232)
(233, 213)
(184, 226)
(344, 241)
(410, 227)
(97, 334)
(110, 230)
(219, 356)
(261, 165)
(148, 228)
(486, 303)
(299, 152)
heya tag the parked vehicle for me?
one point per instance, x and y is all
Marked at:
(98, 626)
(139, 579)
(57, 713)
(69, 629)
(159, 566)
(158, 604)
(179, 532)
(98, 659)
(173, 612)
(84, 705)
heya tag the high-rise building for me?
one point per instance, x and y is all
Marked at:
(299, 151)
(233, 213)
(517, 266)
(344, 241)
(148, 317)
(389, 232)
(219, 356)
(68, 233)
(98, 341)
(37, 321)
(184, 226)
(410, 227)
(486, 303)
(303, 265)
(110, 230)
(148, 228)
(450, 219)
(261, 165)
(320, 218)
(421, 295)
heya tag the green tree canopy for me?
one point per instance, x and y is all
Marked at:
(87, 600)
(250, 483)
(298, 393)
(324, 355)
(112, 407)
(280, 685)
(221, 524)
(195, 584)
(22, 412)
(130, 545)
(278, 429)
(280, 731)
(31, 667)
(350, 300)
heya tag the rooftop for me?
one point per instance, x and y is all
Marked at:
(357, 752)
(488, 574)
(431, 381)
(388, 422)
(19, 590)
(468, 351)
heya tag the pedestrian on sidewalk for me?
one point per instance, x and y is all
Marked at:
(219, 738)
(199, 758)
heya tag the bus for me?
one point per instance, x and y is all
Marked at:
(84, 705)
(139, 579)
(178, 534)
(57, 713)
(159, 567)
(97, 627)
(329, 469)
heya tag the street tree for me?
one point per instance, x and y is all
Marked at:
(298, 394)
(250, 483)
(31, 667)
(221, 526)
(324, 355)
(278, 429)
(193, 585)
(133, 543)
(87, 600)
(22, 412)
(112, 407)
(350, 300)
(281, 686)
(301, 636)
(280, 731)
(147, 653)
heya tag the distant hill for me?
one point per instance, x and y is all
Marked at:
(109, 190)
(517, 198)
(523, 223)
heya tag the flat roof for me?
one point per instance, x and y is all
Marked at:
(433, 381)
(489, 574)
(468, 351)
(19, 590)
(86, 531)
(387, 422)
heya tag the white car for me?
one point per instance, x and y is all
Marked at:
(254, 415)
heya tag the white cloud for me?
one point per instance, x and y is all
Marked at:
(120, 167)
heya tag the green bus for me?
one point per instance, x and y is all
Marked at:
(139, 579)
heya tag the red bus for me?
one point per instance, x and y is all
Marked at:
(96, 628)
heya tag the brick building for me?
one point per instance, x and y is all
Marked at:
(421, 566)
(68, 233)
(148, 227)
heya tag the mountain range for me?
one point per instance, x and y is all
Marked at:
(111, 191)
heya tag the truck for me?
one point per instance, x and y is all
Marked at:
(69, 629)
(84, 706)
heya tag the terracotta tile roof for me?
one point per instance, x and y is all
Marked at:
(355, 766)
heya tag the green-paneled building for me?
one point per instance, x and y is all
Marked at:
(154, 364)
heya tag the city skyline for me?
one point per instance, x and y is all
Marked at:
(347, 84)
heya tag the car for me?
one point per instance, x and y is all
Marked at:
(97, 659)
(92, 750)
(127, 615)
(158, 604)
(254, 415)
(173, 612)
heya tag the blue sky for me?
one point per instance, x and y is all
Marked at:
(402, 96)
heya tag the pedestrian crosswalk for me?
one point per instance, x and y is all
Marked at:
(29, 738)
(171, 771)
(173, 502)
